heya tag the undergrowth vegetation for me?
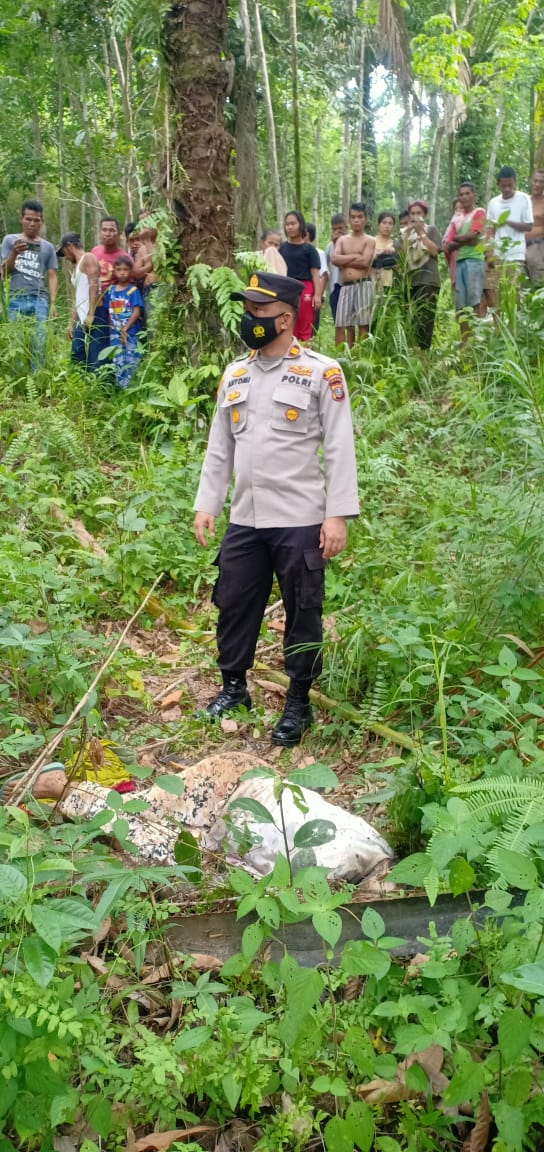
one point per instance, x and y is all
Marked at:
(433, 626)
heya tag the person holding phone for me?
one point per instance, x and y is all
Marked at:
(31, 265)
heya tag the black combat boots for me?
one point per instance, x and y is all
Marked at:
(233, 694)
(297, 715)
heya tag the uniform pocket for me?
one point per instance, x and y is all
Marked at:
(291, 411)
(312, 579)
(235, 400)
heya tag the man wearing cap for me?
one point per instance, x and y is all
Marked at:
(86, 281)
(278, 408)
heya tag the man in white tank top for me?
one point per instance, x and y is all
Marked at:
(86, 282)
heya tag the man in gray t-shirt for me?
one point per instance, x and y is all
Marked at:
(30, 263)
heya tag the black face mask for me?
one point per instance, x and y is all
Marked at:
(258, 331)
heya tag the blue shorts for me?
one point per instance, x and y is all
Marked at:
(469, 283)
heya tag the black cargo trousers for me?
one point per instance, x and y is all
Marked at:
(248, 560)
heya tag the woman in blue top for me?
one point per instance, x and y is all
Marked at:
(125, 306)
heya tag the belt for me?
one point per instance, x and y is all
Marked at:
(539, 240)
(361, 280)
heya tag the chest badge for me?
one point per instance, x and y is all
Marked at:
(235, 416)
(291, 414)
(239, 372)
(233, 396)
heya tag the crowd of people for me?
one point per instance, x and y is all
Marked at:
(113, 289)
(357, 271)
(114, 285)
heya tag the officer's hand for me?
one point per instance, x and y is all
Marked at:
(204, 523)
(333, 536)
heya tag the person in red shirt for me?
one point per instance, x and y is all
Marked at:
(106, 253)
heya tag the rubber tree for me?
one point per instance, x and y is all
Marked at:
(201, 147)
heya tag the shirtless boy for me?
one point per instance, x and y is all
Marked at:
(535, 238)
(354, 254)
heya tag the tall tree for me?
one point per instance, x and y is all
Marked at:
(202, 193)
(293, 22)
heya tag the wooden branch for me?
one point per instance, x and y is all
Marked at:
(29, 778)
(345, 710)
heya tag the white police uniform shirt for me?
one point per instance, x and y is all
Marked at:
(273, 416)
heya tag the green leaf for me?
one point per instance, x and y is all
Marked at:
(360, 1121)
(328, 925)
(338, 1136)
(251, 940)
(514, 1033)
(77, 915)
(241, 881)
(510, 1124)
(416, 1079)
(261, 814)
(268, 910)
(248, 1017)
(507, 659)
(362, 959)
(314, 776)
(314, 833)
(187, 850)
(234, 966)
(516, 869)
(372, 924)
(358, 1046)
(99, 1115)
(191, 1038)
(13, 884)
(8, 1092)
(63, 1107)
(47, 925)
(304, 987)
(412, 870)
(528, 978)
(461, 876)
(30, 1114)
(517, 1087)
(259, 774)
(174, 784)
(232, 1089)
(39, 959)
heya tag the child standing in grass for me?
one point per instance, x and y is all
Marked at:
(125, 306)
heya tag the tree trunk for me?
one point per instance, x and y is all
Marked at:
(296, 109)
(278, 198)
(404, 141)
(38, 182)
(194, 45)
(124, 71)
(317, 170)
(539, 128)
(81, 109)
(360, 117)
(435, 169)
(247, 207)
(346, 165)
(499, 123)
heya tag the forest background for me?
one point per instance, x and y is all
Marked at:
(325, 101)
(434, 706)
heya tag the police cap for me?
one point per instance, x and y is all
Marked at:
(265, 287)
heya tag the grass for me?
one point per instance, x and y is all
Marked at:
(445, 561)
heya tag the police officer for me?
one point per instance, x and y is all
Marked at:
(277, 409)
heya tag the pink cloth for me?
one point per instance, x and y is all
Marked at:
(106, 260)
